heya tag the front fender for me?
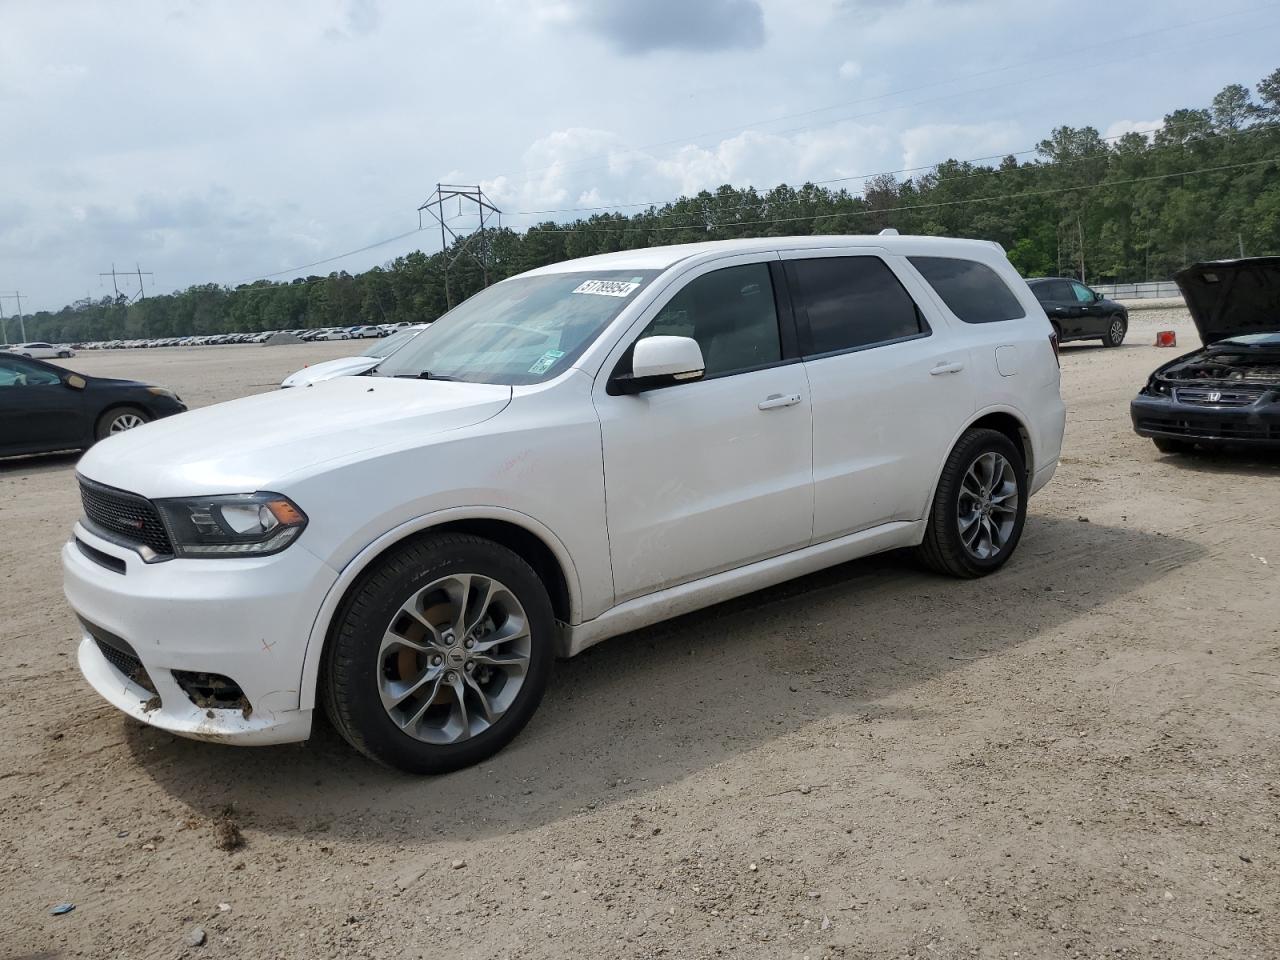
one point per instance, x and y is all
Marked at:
(361, 561)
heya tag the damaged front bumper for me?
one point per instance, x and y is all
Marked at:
(166, 642)
(1217, 416)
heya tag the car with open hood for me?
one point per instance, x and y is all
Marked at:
(569, 455)
(1226, 393)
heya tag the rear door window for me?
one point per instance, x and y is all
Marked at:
(851, 303)
(971, 290)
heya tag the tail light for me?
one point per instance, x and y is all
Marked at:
(1053, 342)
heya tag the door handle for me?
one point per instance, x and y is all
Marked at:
(949, 366)
(776, 400)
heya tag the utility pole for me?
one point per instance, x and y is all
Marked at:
(434, 205)
(4, 331)
(1080, 232)
(22, 323)
(116, 286)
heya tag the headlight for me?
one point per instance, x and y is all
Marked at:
(242, 525)
(162, 392)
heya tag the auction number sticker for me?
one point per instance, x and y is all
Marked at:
(607, 288)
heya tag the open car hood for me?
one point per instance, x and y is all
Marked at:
(1230, 298)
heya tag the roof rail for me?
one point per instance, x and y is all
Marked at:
(889, 232)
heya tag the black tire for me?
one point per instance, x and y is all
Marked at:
(1167, 445)
(1057, 330)
(1117, 327)
(65, 355)
(113, 416)
(943, 549)
(349, 673)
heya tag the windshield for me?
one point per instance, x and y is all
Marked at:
(523, 330)
(389, 345)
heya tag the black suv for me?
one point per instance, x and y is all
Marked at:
(1078, 313)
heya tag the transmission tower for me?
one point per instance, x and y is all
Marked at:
(477, 244)
(137, 271)
(22, 323)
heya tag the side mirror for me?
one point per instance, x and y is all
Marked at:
(659, 362)
(74, 381)
(1097, 296)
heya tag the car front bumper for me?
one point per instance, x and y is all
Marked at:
(246, 619)
(1257, 424)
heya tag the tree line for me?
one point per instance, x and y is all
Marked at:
(1128, 208)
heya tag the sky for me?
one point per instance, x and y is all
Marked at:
(220, 141)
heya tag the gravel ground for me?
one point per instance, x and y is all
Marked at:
(1076, 757)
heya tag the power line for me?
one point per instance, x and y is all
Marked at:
(976, 172)
(932, 206)
(1037, 167)
(339, 256)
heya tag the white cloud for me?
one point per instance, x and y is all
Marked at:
(849, 70)
(933, 142)
(580, 167)
(1118, 129)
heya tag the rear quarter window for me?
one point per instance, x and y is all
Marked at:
(972, 291)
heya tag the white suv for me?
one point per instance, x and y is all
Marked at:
(571, 454)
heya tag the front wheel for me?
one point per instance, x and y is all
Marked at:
(979, 508)
(119, 420)
(1117, 327)
(440, 655)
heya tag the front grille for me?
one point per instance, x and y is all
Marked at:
(1211, 428)
(124, 516)
(1220, 398)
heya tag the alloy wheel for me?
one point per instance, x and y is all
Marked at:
(987, 505)
(126, 421)
(453, 658)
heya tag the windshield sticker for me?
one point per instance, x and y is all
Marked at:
(546, 361)
(607, 288)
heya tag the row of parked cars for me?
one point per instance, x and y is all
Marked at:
(357, 332)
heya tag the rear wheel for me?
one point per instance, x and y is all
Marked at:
(119, 420)
(440, 655)
(1117, 327)
(979, 508)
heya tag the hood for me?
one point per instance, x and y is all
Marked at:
(257, 443)
(341, 367)
(1231, 298)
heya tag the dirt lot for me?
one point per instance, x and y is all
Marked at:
(1074, 758)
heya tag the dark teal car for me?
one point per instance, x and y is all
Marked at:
(44, 408)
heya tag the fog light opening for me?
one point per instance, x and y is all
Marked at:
(213, 691)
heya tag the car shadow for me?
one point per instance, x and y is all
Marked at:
(1233, 461)
(660, 704)
(40, 462)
